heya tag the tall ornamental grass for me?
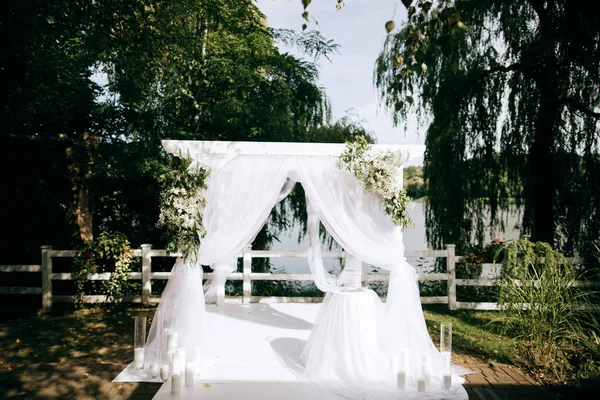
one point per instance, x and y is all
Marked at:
(552, 315)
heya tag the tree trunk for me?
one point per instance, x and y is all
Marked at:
(540, 187)
(81, 159)
(540, 193)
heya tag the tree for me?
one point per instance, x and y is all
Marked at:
(512, 87)
(48, 102)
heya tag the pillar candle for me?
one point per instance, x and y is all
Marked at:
(176, 383)
(189, 374)
(447, 382)
(401, 381)
(420, 385)
(176, 365)
(164, 373)
(138, 357)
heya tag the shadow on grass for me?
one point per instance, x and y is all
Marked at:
(478, 334)
(82, 336)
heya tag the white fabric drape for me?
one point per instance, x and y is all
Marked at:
(181, 310)
(357, 221)
(239, 198)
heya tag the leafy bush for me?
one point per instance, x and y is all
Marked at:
(548, 310)
(110, 252)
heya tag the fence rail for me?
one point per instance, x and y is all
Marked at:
(246, 276)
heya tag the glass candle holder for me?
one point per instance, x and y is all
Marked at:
(139, 341)
(446, 344)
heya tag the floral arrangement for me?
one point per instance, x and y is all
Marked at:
(377, 171)
(181, 205)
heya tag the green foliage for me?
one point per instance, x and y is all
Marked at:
(378, 174)
(414, 182)
(183, 69)
(511, 87)
(110, 252)
(547, 310)
(181, 207)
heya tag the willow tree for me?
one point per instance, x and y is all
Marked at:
(511, 90)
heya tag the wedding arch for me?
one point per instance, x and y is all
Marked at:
(351, 347)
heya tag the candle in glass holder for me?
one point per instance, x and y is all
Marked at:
(446, 337)
(404, 362)
(172, 341)
(447, 361)
(138, 357)
(139, 341)
(189, 374)
(153, 370)
(447, 381)
(197, 355)
(175, 364)
(181, 354)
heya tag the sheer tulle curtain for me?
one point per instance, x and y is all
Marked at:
(181, 310)
(239, 198)
(357, 221)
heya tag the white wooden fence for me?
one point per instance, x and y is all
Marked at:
(247, 276)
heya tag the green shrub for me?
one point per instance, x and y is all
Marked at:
(110, 252)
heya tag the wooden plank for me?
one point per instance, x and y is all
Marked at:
(278, 299)
(425, 253)
(160, 275)
(434, 300)
(66, 276)
(256, 276)
(462, 305)
(291, 254)
(20, 268)
(95, 299)
(247, 276)
(440, 276)
(476, 282)
(20, 290)
(63, 253)
(46, 280)
(451, 265)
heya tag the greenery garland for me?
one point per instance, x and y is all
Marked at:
(181, 205)
(377, 171)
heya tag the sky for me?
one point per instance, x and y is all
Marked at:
(359, 29)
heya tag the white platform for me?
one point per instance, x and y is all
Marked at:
(254, 353)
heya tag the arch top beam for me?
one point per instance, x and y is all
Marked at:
(191, 148)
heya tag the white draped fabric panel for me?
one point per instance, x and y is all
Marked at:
(241, 193)
(181, 310)
(239, 198)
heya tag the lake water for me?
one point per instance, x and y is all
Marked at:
(414, 239)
